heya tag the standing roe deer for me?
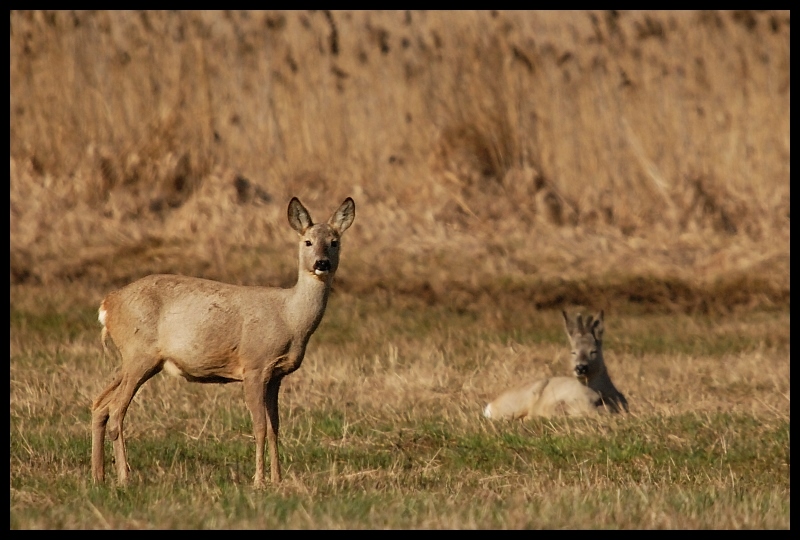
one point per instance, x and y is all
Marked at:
(212, 332)
(589, 391)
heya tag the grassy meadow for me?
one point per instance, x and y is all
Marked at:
(504, 166)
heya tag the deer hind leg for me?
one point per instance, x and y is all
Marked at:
(99, 421)
(274, 424)
(254, 398)
(130, 383)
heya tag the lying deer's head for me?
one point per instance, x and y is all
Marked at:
(586, 340)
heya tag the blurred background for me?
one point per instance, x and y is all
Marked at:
(523, 159)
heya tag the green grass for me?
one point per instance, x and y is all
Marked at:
(392, 475)
(381, 428)
(61, 326)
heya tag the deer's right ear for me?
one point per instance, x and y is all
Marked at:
(299, 218)
(569, 326)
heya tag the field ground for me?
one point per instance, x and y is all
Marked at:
(382, 427)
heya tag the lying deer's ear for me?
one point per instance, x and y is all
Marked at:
(597, 327)
(568, 325)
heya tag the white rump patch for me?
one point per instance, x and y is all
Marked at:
(101, 315)
(487, 412)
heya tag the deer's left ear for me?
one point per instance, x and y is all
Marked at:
(344, 216)
(597, 326)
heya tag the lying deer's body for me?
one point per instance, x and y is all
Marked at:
(212, 332)
(552, 396)
(589, 392)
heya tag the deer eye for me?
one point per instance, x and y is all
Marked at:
(334, 243)
(308, 242)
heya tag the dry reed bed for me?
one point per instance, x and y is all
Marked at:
(484, 149)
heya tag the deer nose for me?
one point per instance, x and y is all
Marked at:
(581, 369)
(323, 265)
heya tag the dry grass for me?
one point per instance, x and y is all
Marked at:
(382, 427)
(518, 145)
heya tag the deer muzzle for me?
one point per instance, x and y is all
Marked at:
(581, 370)
(322, 266)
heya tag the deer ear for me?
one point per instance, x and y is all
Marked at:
(597, 327)
(344, 216)
(568, 325)
(299, 218)
(571, 327)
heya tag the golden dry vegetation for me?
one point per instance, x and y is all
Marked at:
(381, 428)
(487, 152)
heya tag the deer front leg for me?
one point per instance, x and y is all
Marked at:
(274, 423)
(254, 394)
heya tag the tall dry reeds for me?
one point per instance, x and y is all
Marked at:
(485, 150)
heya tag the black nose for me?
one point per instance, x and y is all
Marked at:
(323, 266)
(581, 369)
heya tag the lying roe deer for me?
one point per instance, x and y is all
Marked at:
(212, 332)
(590, 391)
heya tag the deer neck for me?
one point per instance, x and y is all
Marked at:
(307, 301)
(601, 382)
